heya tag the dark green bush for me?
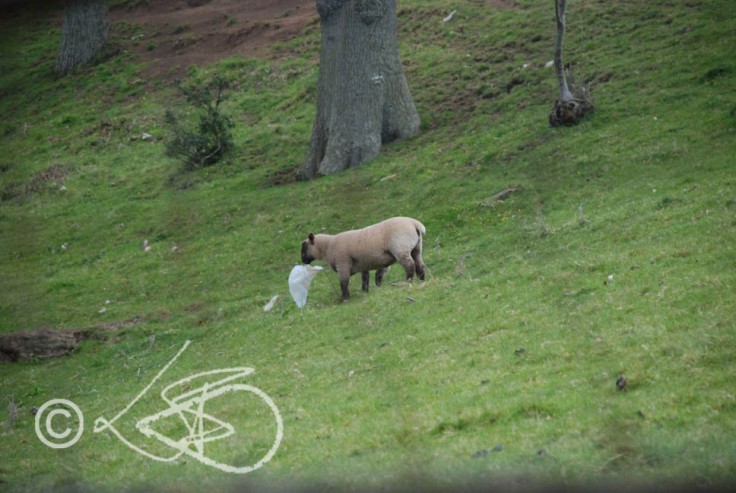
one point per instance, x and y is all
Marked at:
(210, 140)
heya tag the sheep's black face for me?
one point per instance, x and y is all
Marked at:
(306, 257)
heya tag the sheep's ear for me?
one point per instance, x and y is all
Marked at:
(311, 238)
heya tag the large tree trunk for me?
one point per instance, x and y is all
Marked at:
(363, 99)
(84, 34)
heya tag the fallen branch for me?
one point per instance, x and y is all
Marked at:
(500, 196)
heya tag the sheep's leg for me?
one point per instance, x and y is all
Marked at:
(345, 291)
(379, 275)
(366, 278)
(416, 254)
(344, 274)
(408, 264)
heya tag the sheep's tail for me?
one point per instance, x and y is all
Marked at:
(420, 227)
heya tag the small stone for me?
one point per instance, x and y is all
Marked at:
(480, 454)
(621, 382)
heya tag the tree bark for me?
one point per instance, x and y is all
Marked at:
(83, 35)
(363, 100)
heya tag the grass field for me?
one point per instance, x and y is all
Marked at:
(615, 256)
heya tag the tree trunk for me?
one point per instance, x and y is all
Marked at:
(571, 105)
(84, 34)
(560, 11)
(363, 99)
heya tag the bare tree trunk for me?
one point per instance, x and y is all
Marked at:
(560, 11)
(84, 34)
(363, 100)
(571, 105)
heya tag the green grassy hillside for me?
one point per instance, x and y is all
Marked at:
(615, 257)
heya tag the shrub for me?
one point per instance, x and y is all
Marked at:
(210, 140)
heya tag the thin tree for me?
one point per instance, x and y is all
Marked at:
(572, 103)
(363, 100)
(84, 34)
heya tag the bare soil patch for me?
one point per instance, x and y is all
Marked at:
(501, 4)
(180, 33)
(47, 342)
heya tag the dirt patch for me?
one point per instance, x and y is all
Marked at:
(39, 343)
(501, 4)
(172, 35)
(284, 176)
(49, 343)
(50, 178)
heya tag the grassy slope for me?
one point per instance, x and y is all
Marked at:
(383, 388)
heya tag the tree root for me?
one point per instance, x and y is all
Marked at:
(570, 112)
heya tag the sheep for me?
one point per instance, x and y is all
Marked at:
(376, 247)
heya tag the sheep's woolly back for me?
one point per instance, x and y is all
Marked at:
(372, 247)
(395, 240)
